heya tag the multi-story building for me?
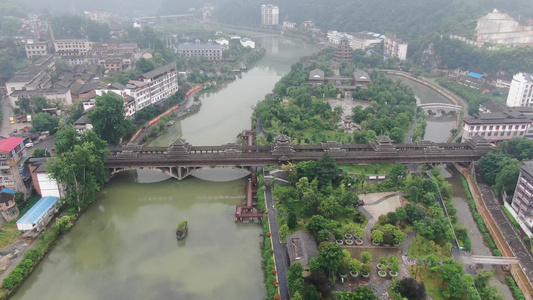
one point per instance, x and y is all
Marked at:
(119, 89)
(36, 48)
(42, 182)
(344, 51)
(53, 95)
(207, 51)
(521, 91)
(269, 15)
(361, 40)
(163, 82)
(497, 126)
(37, 76)
(13, 173)
(522, 202)
(71, 47)
(394, 47)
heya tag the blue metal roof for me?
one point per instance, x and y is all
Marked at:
(475, 75)
(38, 210)
(9, 191)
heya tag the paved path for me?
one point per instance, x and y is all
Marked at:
(280, 249)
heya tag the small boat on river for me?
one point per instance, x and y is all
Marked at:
(181, 231)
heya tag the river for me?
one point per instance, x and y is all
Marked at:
(124, 245)
(438, 126)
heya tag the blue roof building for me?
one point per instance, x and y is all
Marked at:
(39, 215)
(475, 75)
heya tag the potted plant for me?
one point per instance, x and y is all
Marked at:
(382, 263)
(339, 242)
(359, 235)
(366, 257)
(343, 271)
(377, 237)
(382, 273)
(365, 270)
(399, 237)
(348, 242)
(355, 267)
(394, 265)
(388, 239)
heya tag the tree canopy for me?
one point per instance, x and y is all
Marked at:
(108, 118)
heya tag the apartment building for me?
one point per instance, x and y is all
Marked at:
(522, 202)
(72, 47)
(37, 76)
(394, 47)
(37, 48)
(206, 51)
(13, 173)
(269, 15)
(521, 91)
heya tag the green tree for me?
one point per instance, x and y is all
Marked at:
(81, 170)
(328, 259)
(366, 257)
(295, 280)
(326, 170)
(66, 139)
(360, 293)
(507, 178)
(145, 65)
(41, 153)
(44, 122)
(311, 293)
(108, 119)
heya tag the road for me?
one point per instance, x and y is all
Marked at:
(488, 208)
(280, 249)
(514, 240)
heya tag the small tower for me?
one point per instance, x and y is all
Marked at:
(344, 51)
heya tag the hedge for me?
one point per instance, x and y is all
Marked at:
(479, 220)
(517, 293)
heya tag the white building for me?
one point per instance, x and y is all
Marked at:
(120, 90)
(394, 47)
(59, 95)
(247, 42)
(289, 25)
(207, 51)
(154, 86)
(521, 91)
(496, 126)
(72, 47)
(39, 214)
(35, 48)
(269, 15)
(522, 202)
(42, 182)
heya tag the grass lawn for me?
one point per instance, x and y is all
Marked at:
(434, 285)
(419, 247)
(8, 233)
(373, 169)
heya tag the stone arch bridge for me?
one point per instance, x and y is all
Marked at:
(440, 107)
(181, 159)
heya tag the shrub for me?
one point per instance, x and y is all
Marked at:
(365, 269)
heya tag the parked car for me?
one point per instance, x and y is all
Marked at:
(29, 145)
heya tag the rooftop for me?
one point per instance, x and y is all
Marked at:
(5, 197)
(6, 145)
(301, 247)
(527, 167)
(160, 70)
(491, 106)
(33, 70)
(38, 210)
(50, 91)
(316, 74)
(361, 75)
